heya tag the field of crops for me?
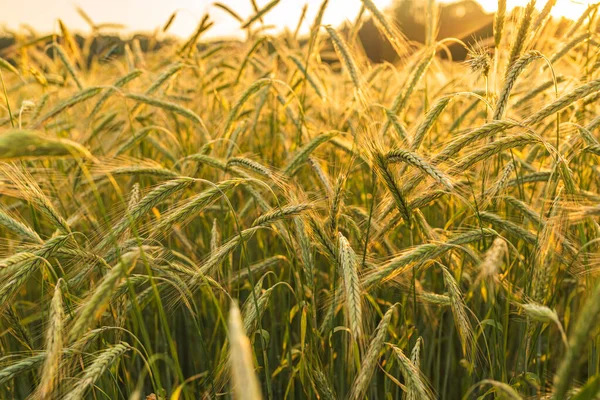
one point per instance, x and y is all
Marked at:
(280, 218)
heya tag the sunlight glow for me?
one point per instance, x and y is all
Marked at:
(148, 15)
(563, 8)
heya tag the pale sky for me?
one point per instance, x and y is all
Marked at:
(146, 15)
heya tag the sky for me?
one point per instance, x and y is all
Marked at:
(147, 15)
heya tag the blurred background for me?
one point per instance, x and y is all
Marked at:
(120, 20)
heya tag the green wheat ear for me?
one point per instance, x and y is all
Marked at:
(28, 144)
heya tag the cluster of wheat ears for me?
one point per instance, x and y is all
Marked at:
(247, 220)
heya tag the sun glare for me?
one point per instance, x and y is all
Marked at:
(147, 15)
(563, 8)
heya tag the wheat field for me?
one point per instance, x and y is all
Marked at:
(280, 218)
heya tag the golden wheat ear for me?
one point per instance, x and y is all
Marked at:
(244, 381)
(50, 375)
